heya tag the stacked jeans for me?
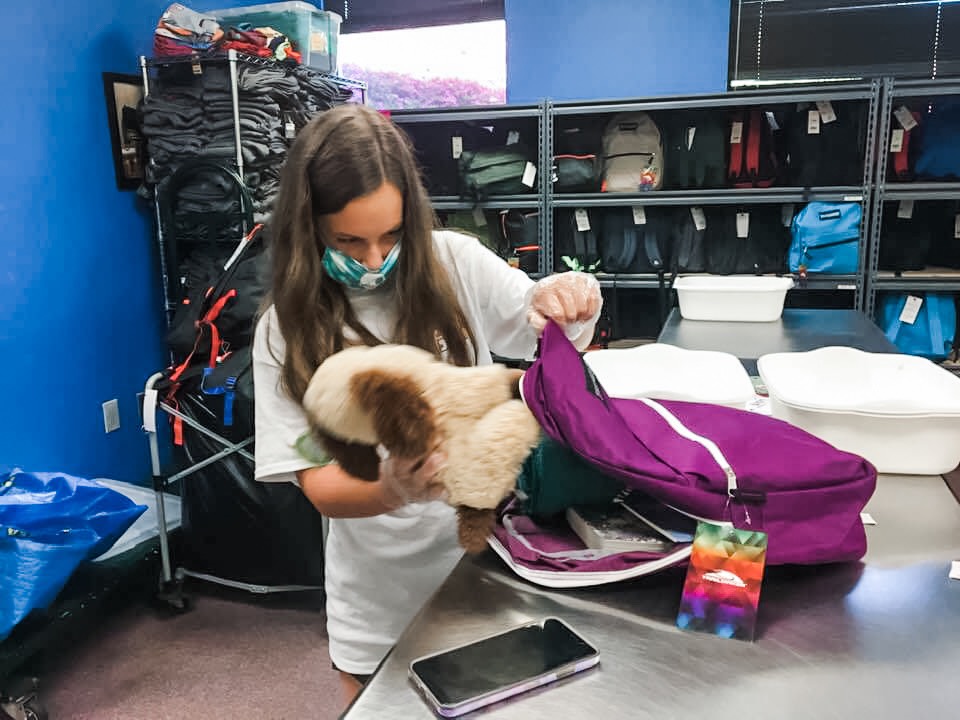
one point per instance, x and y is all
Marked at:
(189, 115)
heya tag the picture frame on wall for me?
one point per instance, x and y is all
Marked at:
(123, 93)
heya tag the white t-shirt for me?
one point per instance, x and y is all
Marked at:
(381, 570)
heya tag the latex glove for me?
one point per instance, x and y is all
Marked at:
(410, 480)
(572, 300)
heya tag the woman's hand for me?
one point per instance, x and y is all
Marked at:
(570, 299)
(409, 480)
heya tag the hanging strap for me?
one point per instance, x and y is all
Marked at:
(736, 151)
(651, 246)
(894, 329)
(628, 245)
(933, 303)
(754, 131)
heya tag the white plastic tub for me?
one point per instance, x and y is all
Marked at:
(739, 298)
(667, 372)
(900, 412)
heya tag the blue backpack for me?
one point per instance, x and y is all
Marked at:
(938, 151)
(826, 238)
(933, 334)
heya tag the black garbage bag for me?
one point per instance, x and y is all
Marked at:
(233, 526)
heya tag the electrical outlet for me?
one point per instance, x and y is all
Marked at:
(111, 416)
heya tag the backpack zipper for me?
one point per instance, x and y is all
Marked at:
(709, 445)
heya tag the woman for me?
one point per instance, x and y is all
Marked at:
(356, 259)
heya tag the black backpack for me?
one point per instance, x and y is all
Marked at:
(629, 246)
(905, 243)
(694, 150)
(689, 244)
(832, 156)
(763, 250)
(576, 249)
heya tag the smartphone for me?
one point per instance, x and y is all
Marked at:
(491, 669)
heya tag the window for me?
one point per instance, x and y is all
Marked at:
(449, 65)
(805, 40)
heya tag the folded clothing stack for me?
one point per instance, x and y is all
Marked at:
(182, 31)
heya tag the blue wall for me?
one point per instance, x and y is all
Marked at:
(615, 48)
(80, 303)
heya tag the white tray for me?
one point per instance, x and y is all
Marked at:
(667, 372)
(738, 298)
(900, 412)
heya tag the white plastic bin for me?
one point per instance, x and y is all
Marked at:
(739, 298)
(900, 412)
(667, 372)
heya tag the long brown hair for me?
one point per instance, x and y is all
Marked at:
(343, 154)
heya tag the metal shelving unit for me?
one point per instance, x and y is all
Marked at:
(929, 279)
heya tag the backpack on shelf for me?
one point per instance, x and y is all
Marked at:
(929, 330)
(634, 240)
(751, 242)
(753, 159)
(900, 164)
(689, 244)
(945, 242)
(905, 241)
(632, 154)
(825, 146)
(521, 231)
(509, 170)
(826, 238)
(694, 150)
(576, 248)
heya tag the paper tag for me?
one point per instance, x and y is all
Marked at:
(955, 570)
(825, 108)
(905, 118)
(786, 214)
(956, 226)
(896, 140)
(639, 215)
(721, 591)
(910, 309)
(743, 224)
(150, 410)
(457, 146)
(513, 137)
(479, 218)
(529, 174)
(772, 121)
(583, 219)
(197, 70)
(867, 519)
(736, 133)
(691, 131)
(905, 210)
(813, 122)
(289, 130)
(699, 219)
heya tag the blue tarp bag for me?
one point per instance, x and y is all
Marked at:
(49, 524)
(931, 334)
(826, 238)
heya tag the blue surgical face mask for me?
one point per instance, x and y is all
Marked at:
(352, 274)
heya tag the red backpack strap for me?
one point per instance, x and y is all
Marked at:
(735, 167)
(754, 131)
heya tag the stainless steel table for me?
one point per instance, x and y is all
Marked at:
(877, 639)
(797, 330)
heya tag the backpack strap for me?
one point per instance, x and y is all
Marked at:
(735, 167)
(754, 130)
(651, 245)
(933, 322)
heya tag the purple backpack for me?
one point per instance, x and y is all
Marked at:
(708, 461)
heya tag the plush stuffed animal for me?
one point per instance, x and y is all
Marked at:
(411, 403)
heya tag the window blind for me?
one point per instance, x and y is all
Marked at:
(804, 40)
(368, 15)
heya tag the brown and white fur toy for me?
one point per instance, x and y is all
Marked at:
(410, 402)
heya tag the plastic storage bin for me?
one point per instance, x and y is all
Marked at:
(315, 33)
(900, 412)
(739, 298)
(667, 372)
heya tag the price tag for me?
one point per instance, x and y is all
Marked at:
(905, 118)
(529, 174)
(197, 70)
(289, 130)
(955, 570)
(896, 140)
(825, 108)
(691, 131)
(743, 224)
(910, 309)
(479, 218)
(513, 137)
(956, 226)
(786, 215)
(905, 210)
(813, 122)
(736, 133)
(457, 146)
(639, 215)
(699, 219)
(150, 410)
(772, 121)
(867, 519)
(583, 219)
